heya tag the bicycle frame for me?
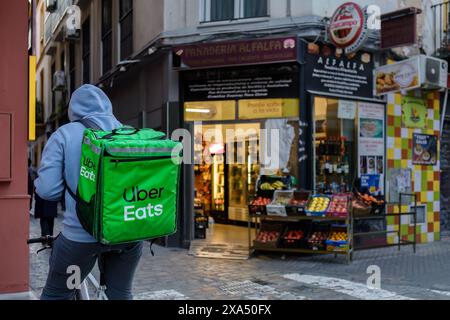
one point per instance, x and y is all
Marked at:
(100, 291)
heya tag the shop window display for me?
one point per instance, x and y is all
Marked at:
(334, 148)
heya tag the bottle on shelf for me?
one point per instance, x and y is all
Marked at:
(321, 148)
(326, 148)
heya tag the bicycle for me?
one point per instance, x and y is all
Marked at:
(82, 293)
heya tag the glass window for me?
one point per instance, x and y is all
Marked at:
(53, 70)
(86, 51)
(222, 10)
(126, 28)
(255, 8)
(72, 67)
(106, 35)
(335, 148)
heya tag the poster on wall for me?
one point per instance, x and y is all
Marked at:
(371, 149)
(371, 183)
(347, 109)
(414, 112)
(399, 182)
(425, 149)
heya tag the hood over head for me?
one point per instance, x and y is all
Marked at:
(91, 103)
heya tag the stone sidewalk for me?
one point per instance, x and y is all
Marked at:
(173, 274)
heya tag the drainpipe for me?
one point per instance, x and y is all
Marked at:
(444, 111)
(289, 8)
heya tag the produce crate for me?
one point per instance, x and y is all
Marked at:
(269, 227)
(258, 210)
(337, 246)
(343, 198)
(293, 244)
(201, 224)
(317, 214)
(293, 209)
(319, 245)
(270, 180)
(278, 205)
(377, 210)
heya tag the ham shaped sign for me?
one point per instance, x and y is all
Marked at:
(348, 28)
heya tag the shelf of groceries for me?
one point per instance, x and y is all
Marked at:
(300, 221)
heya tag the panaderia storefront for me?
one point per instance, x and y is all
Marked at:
(235, 93)
(354, 132)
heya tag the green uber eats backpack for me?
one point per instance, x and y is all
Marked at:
(128, 185)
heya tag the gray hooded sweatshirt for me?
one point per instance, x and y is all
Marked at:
(62, 153)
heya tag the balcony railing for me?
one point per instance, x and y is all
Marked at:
(441, 14)
(54, 19)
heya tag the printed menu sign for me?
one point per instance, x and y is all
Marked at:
(243, 83)
(425, 149)
(330, 71)
(371, 143)
(371, 129)
(347, 109)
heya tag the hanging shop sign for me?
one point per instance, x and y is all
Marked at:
(371, 133)
(330, 72)
(414, 112)
(425, 149)
(400, 76)
(348, 28)
(249, 83)
(233, 53)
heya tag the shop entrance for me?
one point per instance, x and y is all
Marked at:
(226, 172)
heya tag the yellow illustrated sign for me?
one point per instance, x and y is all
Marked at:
(399, 76)
(268, 108)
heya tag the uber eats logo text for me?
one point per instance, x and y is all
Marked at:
(132, 213)
(87, 169)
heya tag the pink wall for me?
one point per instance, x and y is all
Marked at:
(14, 215)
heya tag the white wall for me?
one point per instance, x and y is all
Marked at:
(148, 21)
(326, 8)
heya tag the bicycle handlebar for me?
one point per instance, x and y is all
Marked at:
(48, 240)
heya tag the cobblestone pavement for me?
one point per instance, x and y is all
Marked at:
(174, 275)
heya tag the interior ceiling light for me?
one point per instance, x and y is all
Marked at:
(198, 110)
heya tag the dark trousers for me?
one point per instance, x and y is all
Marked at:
(47, 225)
(119, 264)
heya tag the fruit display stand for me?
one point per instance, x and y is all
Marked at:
(278, 206)
(310, 242)
(297, 205)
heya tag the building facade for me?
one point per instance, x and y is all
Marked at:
(14, 200)
(126, 48)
